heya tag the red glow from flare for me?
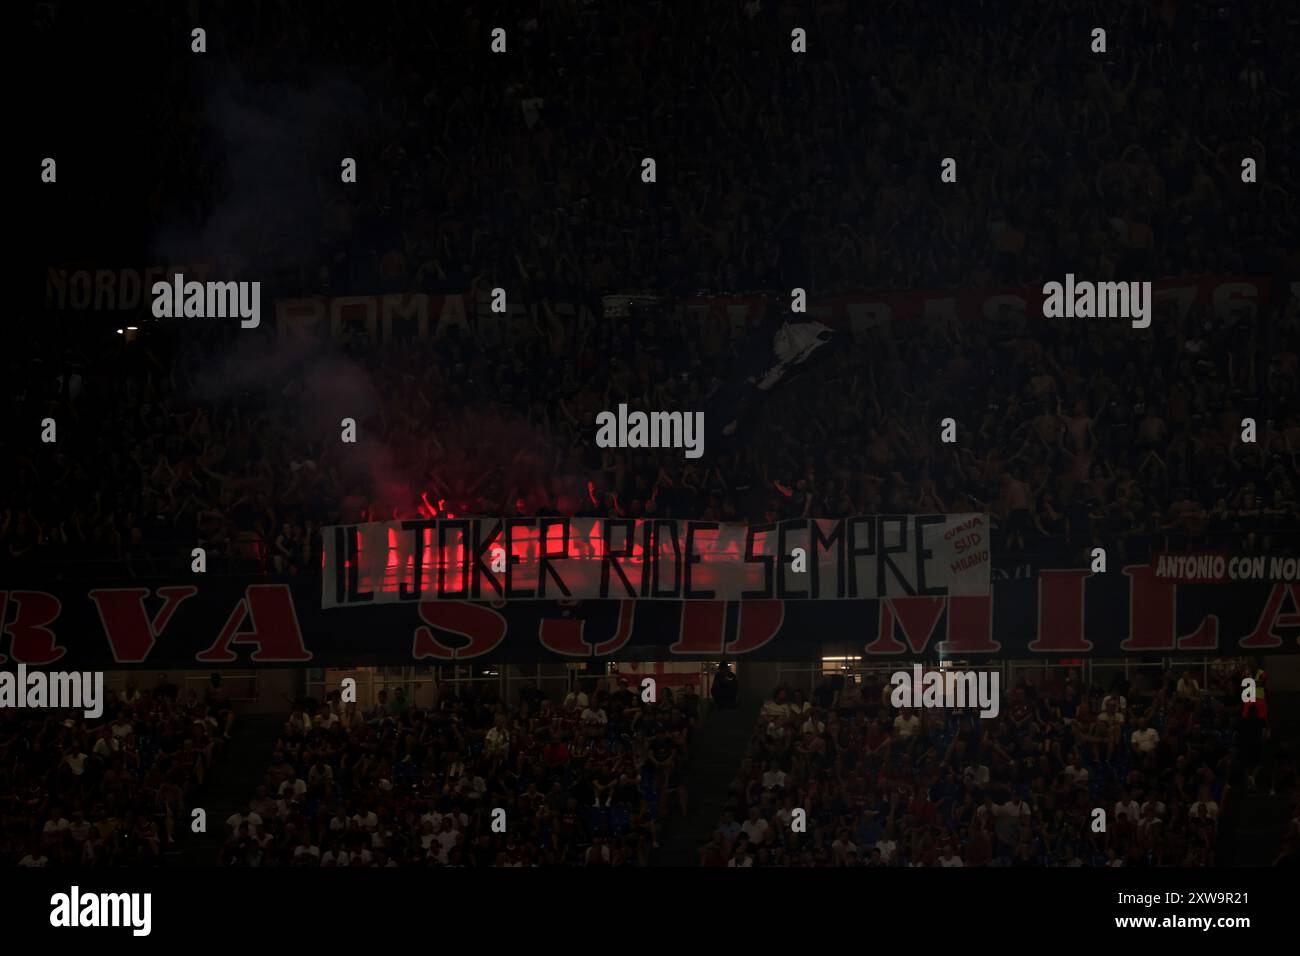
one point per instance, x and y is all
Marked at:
(526, 546)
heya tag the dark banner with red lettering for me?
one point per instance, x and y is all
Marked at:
(215, 622)
(859, 312)
(408, 316)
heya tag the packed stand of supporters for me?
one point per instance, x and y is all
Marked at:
(1067, 441)
(883, 786)
(586, 780)
(114, 790)
(775, 170)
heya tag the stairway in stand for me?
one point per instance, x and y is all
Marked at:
(716, 752)
(234, 780)
(1254, 834)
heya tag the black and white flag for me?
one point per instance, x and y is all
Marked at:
(792, 346)
(767, 364)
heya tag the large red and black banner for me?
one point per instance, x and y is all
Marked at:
(210, 621)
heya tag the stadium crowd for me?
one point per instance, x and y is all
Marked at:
(115, 790)
(887, 786)
(1067, 448)
(585, 781)
(776, 170)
